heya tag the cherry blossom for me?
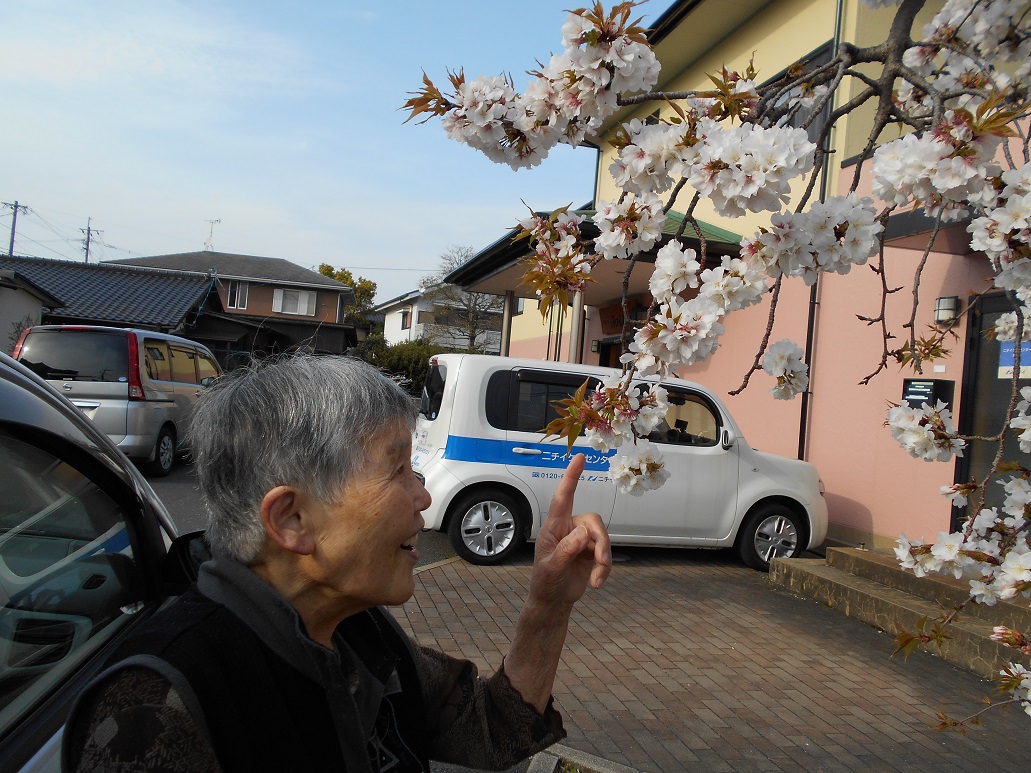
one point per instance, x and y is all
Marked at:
(637, 467)
(783, 361)
(926, 432)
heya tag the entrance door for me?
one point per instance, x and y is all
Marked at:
(986, 394)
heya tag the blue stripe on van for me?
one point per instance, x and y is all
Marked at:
(470, 449)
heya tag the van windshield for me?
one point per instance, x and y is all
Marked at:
(433, 390)
(76, 355)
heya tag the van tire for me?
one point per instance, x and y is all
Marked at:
(771, 531)
(164, 454)
(487, 527)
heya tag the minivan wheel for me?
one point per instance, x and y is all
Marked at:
(772, 531)
(164, 454)
(487, 527)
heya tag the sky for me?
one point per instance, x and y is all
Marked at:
(148, 120)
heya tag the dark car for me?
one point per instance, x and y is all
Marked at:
(86, 552)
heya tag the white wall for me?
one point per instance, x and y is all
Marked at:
(15, 305)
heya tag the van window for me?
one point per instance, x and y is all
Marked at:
(691, 421)
(183, 366)
(206, 368)
(534, 402)
(76, 355)
(156, 359)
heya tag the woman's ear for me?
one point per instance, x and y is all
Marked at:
(288, 519)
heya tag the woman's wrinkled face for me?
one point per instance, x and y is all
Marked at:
(365, 548)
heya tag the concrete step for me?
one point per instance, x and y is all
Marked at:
(882, 604)
(946, 591)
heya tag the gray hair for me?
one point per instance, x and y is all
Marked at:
(301, 421)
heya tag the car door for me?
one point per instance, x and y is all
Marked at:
(540, 464)
(693, 505)
(186, 381)
(70, 580)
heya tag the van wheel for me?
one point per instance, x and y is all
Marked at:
(164, 454)
(487, 527)
(772, 531)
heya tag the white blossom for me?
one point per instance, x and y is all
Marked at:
(783, 361)
(637, 468)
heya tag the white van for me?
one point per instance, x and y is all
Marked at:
(479, 445)
(138, 386)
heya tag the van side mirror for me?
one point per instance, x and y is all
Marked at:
(729, 438)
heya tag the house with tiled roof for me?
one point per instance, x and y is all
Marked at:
(99, 294)
(265, 304)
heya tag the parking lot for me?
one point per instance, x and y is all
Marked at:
(687, 660)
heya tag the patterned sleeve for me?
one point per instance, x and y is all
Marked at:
(136, 721)
(480, 723)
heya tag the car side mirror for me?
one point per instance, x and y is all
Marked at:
(208, 381)
(729, 438)
(182, 562)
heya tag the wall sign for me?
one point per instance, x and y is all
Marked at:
(917, 391)
(1007, 359)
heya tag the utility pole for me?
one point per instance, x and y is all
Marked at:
(14, 223)
(88, 232)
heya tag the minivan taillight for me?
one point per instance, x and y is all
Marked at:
(135, 384)
(21, 342)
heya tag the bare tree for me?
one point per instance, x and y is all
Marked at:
(460, 319)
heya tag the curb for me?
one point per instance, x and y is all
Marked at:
(549, 761)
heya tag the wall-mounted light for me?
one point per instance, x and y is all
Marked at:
(946, 309)
(594, 345)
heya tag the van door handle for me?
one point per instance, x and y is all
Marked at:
(527, 451)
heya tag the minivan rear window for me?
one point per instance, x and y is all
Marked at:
(76, 355)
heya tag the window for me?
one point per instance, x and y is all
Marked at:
(525, 401)
(77, 355)
(184, 367)
(206, 368)
(406, 319)
(68, 578)
(424, 317)
(237, 294)
(691, 421)
(157, 360)
(300, 302)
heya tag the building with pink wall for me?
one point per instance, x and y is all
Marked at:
(874, 489)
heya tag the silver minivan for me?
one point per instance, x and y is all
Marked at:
(138, 386)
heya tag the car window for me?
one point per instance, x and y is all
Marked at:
(68, 578)
(79, 355)
(183, 365)
(157, 360)
(691, 421)
(537, 398)
(206, 368)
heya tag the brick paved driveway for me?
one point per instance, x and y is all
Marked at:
(688, 661)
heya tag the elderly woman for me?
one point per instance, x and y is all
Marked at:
(281, 656)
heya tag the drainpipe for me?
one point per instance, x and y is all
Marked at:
(814, 291)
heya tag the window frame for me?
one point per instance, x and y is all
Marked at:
(237, 294)
(280, 295)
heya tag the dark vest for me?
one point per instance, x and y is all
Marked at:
(261, 712)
